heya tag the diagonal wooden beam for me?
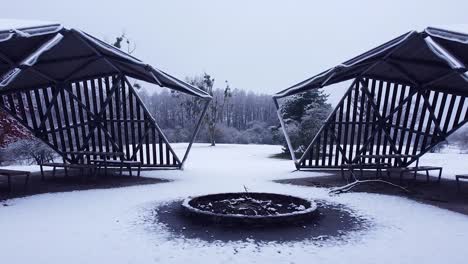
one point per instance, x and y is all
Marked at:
(332, 134)
(48, 113)
(285, 133)
(327, 121)
(95, 122)
(141, 141)
(432, 114)
(98, 116)
(197, 128)
(382, 122)
(152, 122)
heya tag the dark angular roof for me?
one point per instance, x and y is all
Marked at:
(435, 57)
(42, 55)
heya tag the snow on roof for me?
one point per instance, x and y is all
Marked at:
(116, 59)
(456, 28)
(12, 24)
(413, 40)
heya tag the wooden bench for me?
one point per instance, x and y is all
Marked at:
(66, 166)
(359, 163)
(415, 170)
(129, 164)
(458, 177)
(15, 173)
(364, 166)
(107, 160)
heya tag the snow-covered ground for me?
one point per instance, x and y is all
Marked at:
(105, 226)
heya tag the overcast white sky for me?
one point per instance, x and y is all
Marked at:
(259, 45)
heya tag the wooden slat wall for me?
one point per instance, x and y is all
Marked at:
(381, 117)
(92, 115)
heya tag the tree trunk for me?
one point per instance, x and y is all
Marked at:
(212, 135)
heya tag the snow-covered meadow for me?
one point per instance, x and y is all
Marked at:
(106, 226)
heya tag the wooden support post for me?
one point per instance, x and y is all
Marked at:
(197, 128)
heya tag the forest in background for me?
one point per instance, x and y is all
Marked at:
(237, 116)
(233, 116)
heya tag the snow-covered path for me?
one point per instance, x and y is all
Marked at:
(105, 226)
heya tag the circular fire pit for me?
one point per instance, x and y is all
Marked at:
(250, 209)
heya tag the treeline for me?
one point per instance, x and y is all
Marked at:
(233, 116)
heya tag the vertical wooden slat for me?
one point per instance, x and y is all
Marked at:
(310, 156)
(405, 122)
(441, 110)
(103, 84)
(400, 106)
(22, 110)
(413, 122)
(347, 119)
(430, 122)
(379, 103)
(147, 142)
(74, 117)
(11, 103)
(132, 125)
(56, 108)
(168, 155)
(340, 134)
(419, 131)
(90, 122)
(394, 88)
(45, 94)
(384, 115)
(461, 104)
(324, 145)
(317, 150)
(367, 125)
(94, 99)
(361, 117)
(138, 112)
(353, 126)
(40, 110)
(65, 112)
(161, 153)
(32, 111)
(373, 117)
(448, 114)
(154, 136)
(110, 107)
(331, 141)
(78, 87)
(308, 161)
(119, 123)
(125, 118)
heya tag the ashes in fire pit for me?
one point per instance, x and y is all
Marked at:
(253, 209)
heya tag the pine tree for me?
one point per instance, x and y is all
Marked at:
(304, 114)
(296, 106)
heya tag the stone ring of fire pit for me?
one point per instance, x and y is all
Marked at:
(249, 209)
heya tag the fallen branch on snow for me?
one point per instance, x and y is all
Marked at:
(348, 187)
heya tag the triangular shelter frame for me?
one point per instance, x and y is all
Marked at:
(100, 113)
(381, 116)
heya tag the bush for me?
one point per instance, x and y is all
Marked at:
(30, 150)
